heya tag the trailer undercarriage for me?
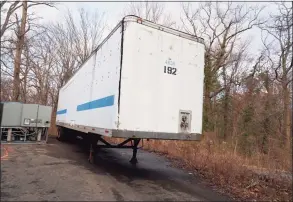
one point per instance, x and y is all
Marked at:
(95, 142)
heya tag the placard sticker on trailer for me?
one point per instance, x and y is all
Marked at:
(169, 67)
(184, 121)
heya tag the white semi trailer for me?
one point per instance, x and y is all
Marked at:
(144, 81)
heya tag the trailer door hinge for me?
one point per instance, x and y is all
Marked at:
(117, 124)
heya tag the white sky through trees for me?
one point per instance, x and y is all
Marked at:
(114, 12)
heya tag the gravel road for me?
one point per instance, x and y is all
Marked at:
(60, 172)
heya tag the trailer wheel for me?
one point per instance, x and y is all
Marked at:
(60, 134)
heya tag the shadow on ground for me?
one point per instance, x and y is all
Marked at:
(151, 167)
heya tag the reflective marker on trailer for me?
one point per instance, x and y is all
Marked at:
(139, 20)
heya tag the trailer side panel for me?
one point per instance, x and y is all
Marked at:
(90, 97)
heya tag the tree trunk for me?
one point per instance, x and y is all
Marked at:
(19, 48)
(207, 90)
(25, 89)
(16, 79)
(45, 91)
(286, 101)
(226, 113)
(286, 119)
(267, 119)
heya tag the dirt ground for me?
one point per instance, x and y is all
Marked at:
(61, 172)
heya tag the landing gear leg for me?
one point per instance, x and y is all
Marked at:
(93, 147)
(92, 154)
(134, 159)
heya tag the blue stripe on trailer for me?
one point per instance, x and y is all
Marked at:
(99, 103)
(64, 111)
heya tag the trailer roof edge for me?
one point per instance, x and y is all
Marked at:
(94, 51)
(134, 18)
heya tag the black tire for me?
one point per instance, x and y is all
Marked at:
(61, 134)
(86, 141)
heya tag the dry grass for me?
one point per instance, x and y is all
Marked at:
(245, 178)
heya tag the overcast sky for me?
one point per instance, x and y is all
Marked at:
(114, 13)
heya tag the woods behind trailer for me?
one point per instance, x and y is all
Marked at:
(143, 81)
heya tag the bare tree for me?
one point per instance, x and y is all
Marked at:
(71, 44)
(6, 14)
(85, 33)
(235, 65)
(152, 11)
(280, 30)
(220, 25)
(21, 31)
(6, 89)
(41, 62)
(20, 34)
(7, 22)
